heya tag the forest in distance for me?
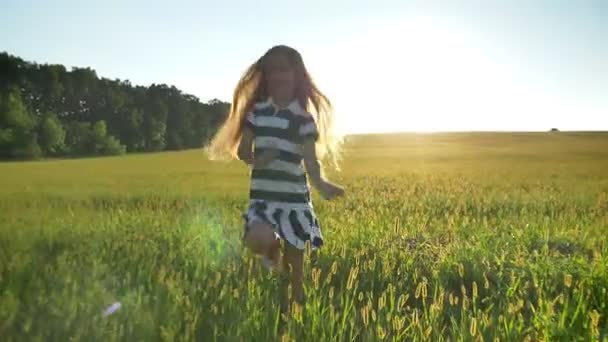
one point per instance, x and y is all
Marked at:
(47, 110)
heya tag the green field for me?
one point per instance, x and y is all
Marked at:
(485, 236)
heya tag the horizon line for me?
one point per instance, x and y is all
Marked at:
(477, 131)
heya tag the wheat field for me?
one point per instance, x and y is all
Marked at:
(440, 237)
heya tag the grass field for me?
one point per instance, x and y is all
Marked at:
(461, 237)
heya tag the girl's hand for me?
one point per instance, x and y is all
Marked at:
(330, 191)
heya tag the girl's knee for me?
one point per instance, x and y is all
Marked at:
(259, 236)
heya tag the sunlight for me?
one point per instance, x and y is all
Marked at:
(418, 74)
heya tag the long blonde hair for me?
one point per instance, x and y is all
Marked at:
(251, 88)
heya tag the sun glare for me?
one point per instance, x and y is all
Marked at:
(418, 74)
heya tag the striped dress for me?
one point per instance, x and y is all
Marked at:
(279, 192)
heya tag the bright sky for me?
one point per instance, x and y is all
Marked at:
(387, 65)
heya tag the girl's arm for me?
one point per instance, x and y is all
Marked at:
(313, 168)
(245, 151)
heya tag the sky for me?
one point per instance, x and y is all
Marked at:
(387, 66)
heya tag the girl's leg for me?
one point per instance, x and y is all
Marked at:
(293, 265)
(261, 240)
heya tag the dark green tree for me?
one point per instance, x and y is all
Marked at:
(18, 138)
(51, 135)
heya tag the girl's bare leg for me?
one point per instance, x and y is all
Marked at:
(293, 267)
(261, 240)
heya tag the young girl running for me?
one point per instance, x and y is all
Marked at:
(272, 128)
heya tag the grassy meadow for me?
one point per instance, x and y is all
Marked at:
(441, 237)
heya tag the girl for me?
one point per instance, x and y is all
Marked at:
(271, 129)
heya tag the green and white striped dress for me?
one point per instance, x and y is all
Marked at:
(279, 192)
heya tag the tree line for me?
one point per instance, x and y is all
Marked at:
(48, 111)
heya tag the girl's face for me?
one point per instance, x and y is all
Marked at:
(280, 78)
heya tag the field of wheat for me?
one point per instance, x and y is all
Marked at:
(459, 237)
